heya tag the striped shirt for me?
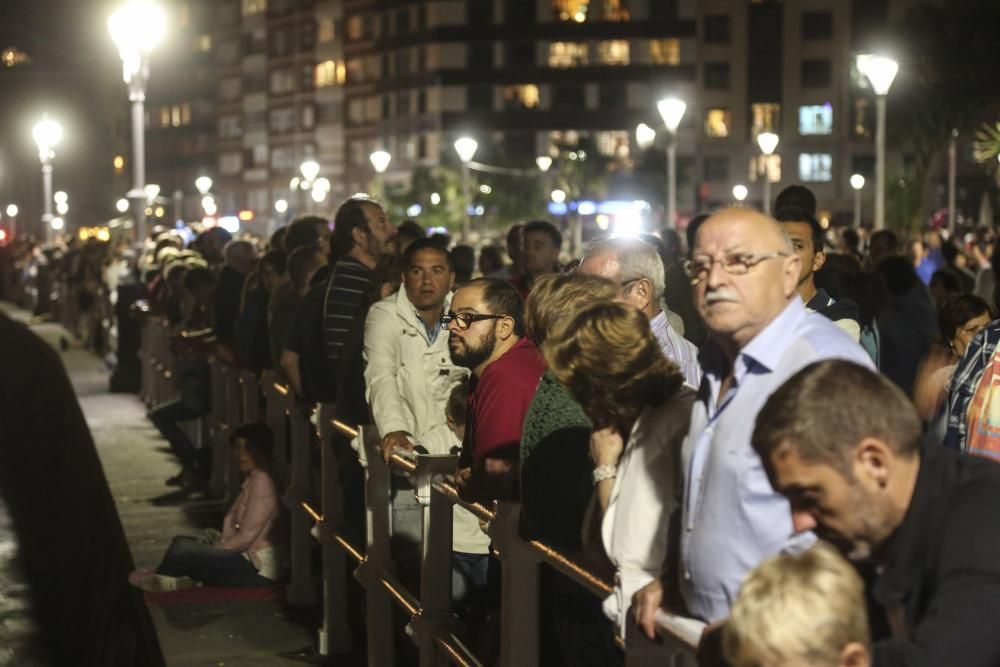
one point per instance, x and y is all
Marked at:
(346, 305)
(677, 349)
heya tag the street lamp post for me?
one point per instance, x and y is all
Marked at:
(47, 134)
(857, 182)
(880, 72)
(740, 193)
(767, 141)
(12, 214)
(309, 170)
(136, 28)
(952, 175)
(671, 110)
(380, 162)
(466, 148)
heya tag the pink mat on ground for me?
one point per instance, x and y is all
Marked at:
(214, 594)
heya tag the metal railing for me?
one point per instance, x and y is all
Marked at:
(314, 498)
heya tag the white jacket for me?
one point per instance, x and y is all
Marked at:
(408, 381)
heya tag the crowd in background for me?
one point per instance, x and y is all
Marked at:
(717, 420)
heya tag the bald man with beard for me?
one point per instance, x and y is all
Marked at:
(744, 274)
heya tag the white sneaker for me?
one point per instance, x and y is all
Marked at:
(161, 583)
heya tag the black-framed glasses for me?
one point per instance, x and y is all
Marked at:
(465, 320)
(736, 264)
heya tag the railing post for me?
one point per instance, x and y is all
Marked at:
(277, 421)
(335, 633)
(519, 595)
(220, 430)
(641, 651)
(435, 556)
(300, 590)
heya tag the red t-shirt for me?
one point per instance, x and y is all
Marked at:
(498, 402)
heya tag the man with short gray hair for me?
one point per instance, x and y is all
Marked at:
(637, 267)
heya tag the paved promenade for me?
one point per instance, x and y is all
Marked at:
(136, 462)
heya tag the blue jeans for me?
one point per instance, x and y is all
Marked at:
(468, 576)
(187, 557)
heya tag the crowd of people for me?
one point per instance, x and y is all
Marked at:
(773, 428)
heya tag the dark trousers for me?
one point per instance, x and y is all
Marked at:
(187, 557)
(166, 417)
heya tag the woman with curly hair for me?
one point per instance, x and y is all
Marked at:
(609, 360)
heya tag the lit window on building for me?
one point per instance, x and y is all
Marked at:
(816, 167)
(613, 52)
(718, 122)
(13, 57)
(613, 144)
(164, 117)
(760, 163)
(570, 10)
(254, 7)
(204, 43)
(330, 73)
(563, 139)
(765, 117)
(665, 51)
(816, 119)
(616, 10)
(325, 31)
(567, 54)
(355, 28)
(119, 163)
(521, 97)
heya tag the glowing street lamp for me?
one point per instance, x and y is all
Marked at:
(203, 184)
(880, 71)
(466, 148)
(280, 206)
(47, 134)
(309, 170)
(857, 182)
(380, 161)
(740, 193)
(12, 214)
(672, 111)
(644, 136)
(558, 196)
(136, 28)
(121, 205)
(768, 142)
(544, 163)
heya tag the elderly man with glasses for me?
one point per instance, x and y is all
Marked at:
(485, 327)
(744, 275)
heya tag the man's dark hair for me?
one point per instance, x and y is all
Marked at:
(277, 240)
(411, 229)
(796, 214)
(546, 228)
(888, 237)
(301, 261)
(691, 233)
(957, 310)
(259, 441)
(501, 298)
(350, 216)
(801, 415)
(425, 244)
(302, 232)
(277, 259)
(899, 275)
(796, 195)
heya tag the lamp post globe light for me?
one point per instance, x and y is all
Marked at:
(767, 142)
(857, 182)
(380, 160)
(672, 111)
(121, 205)
(11, 211)
(544, 163)
(203, 184)
(740, 193)
(47, 134)
(880, 71)
(644, 136)
(136, 28)
(466, 148)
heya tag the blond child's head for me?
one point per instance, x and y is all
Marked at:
(803, 610)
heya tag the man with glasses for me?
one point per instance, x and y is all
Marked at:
(637, 267)
(744, 274)
(485, 327)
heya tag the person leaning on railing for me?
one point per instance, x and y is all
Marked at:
(611, 362)
(556, 480)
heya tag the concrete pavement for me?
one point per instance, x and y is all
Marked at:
(136, 462)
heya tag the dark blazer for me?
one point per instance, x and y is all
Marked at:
(940, 587)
